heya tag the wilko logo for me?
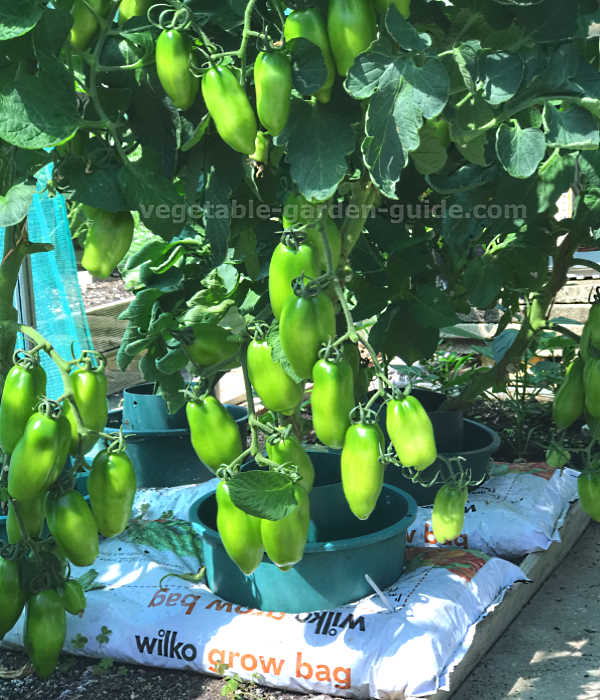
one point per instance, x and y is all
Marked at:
(329, 623)
(166, 644)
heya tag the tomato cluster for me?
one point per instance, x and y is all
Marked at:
(579, 395)
(36, 437)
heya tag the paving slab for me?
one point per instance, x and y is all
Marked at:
(552, 649)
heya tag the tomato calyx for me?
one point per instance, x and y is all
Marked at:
(28, 359)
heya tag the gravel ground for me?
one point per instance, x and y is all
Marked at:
(98, 292)
(79, 677)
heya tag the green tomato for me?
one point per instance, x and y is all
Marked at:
(173, 51)
(211, 344)
(33, 514)
(132, 8)
(273, 84)
(73, 526)
(449, 512)
(89, 393)
(85, 24)
(73, 597)
(362, 472)
(111, 486)
(290, 450)
(591, 383)
(214, 434)
(12, 596)
(331, 400)
(569, 402)
(411, 432)
(239, 531)
(107, 241)
(23, 389)
(297, 212)
(351, 26)
(588, 487)
(277, 390)
(33, 464)
(230, 109)
(306, 323)
(45, 631)
(289, 260)
(284, 540)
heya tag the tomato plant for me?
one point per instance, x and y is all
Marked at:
(429, 142)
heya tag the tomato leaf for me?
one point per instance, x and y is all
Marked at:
(18, 18)
(318, 170)
(403, 33)
(520, 150)
(262, 493)
(15, 204)
(309, 71)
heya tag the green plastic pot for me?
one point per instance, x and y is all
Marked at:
(340, 551)
(166, 457)
(143, 410)
(478, 446)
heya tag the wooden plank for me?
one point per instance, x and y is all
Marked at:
(537, 566)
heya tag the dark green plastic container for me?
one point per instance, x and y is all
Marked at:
(479, 444)
(341, 549)
(166, 457)
(143, 410)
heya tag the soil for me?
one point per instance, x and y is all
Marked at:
(524, 428)
(78, 678)
(97, 292)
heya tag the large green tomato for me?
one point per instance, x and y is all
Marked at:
(411, 432)
(107, 241)
(230, 109)
(448, 514)
(45, 631)
(284, 540)
(305, 324)
(290, 259)
(273, 84)
(569, 401)
(111, 486)
(277, 390)
(351, 26)
(290, 450)
(173, 68)
(12, 597)
(214, 434)
(23, 388)
(89, 394)
(240, 531)
(73, 526)
(362, 472)
(331, 400)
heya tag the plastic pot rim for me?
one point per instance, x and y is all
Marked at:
(327, 546)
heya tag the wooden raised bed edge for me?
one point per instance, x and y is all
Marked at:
(538, 567)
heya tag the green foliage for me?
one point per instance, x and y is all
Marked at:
(460, 222)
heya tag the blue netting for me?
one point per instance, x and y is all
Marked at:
(59, 311)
